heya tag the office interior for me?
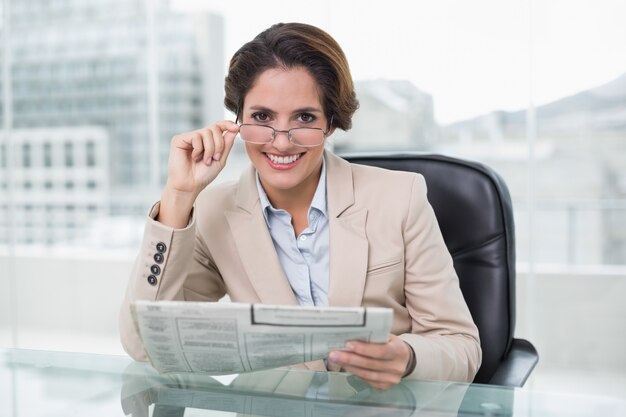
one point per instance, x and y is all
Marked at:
(536, 90)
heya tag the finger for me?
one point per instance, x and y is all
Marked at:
(394, 347)
(364, 362)
(229, 140)
(182, 142)
(382, 381)
(379, 385)
(381, 351)
(224, 134)
(218, 142)
(209, 145)
(230, 130)
(228, 125)
(374, 378)
(197, 145)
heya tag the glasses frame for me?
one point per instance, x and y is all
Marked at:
(289, 134)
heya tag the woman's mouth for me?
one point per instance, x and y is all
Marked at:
(283, 161)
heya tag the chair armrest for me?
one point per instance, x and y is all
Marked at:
(515, 369)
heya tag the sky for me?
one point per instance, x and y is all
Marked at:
(473, 57)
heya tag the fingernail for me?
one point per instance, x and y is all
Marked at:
(208, 161)
(217, 156)
(350, 346)
(333, 356)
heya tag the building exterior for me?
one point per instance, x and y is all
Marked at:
(133, 67)
(57, 182)
(393, 115)
(580, 182)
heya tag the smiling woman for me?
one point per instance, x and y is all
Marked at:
(303, 226)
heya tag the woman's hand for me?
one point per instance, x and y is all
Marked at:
(381, 365)
(196, 159)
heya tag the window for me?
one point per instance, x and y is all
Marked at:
(91, 154)
(47, 154)
(69, 154)
(26, 157)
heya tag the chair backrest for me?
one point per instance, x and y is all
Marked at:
(474, 211)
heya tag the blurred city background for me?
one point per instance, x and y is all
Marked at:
(93, 91)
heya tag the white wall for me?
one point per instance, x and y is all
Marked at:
(575, 318)
(67, 301)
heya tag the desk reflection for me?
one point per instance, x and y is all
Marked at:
(287, 393)
(55, 384)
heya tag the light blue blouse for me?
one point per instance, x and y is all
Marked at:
(305, 259)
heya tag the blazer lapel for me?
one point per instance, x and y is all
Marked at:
(348, 240)
(255, 247)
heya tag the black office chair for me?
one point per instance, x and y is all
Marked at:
(475, 214)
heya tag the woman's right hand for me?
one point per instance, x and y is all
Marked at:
(196, 159)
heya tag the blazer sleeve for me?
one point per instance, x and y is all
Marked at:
(443, 335)
(184, 264)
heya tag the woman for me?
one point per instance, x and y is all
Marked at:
(302, 225)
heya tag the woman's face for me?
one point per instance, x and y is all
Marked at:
(285, 99)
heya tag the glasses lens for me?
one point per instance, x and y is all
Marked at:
(255, 133)
(307, 137)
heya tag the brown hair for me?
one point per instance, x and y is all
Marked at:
(292, 45)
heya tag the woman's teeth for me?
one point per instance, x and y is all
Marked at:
(283, 159)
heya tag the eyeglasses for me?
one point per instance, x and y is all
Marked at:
(307, 137)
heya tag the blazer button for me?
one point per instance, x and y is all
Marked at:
(155, 269)
(152, 280)
(158, 258)
(161, 247)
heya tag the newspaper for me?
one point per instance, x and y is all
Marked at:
(230, 338)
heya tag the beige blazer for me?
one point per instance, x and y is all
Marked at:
(386, 250)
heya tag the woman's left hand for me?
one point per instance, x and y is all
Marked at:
(381, 365)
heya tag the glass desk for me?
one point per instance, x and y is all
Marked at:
(42, 384)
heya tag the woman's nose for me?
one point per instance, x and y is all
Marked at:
(281, 140)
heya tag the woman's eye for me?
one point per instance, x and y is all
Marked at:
(307, 117)
(260, 117)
